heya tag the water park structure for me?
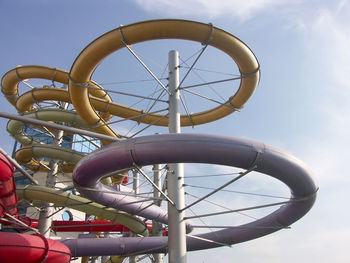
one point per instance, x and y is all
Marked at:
(77, 156)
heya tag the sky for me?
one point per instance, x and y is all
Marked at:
(301, 104)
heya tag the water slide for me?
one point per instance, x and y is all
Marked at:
(193, 148)
(62, 198)
(95, 108)
(75, 226)
(21, 247)
(87, 61)
(8, 197)
(37, 248)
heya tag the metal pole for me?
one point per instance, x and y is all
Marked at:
(156, 226)
(176, 228)
(135, 186)
(45, 218)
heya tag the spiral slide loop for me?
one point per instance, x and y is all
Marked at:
(94, 107)
(61, 198)
(93, 54)
(194, 148)
(12, 78)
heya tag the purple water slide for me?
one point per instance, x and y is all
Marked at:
(188, 148)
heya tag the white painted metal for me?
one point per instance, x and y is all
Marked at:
(156, 226)
(176, 227)
(47, 210)
(45, 216)
(135, 186)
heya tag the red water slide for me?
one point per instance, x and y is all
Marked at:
(75, 226)
(71, 226)
(8, 197)
(18, 248)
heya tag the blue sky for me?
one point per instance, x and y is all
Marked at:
(301, 104)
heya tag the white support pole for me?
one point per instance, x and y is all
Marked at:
(45, 218)
(176, 227)
(135, 186)
(156, 226)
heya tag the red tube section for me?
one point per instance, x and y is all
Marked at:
(76, 226)
(8, 197)
(18, 248)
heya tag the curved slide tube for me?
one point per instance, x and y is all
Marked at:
(61, 198)
(19, 248)
(95, 107)
(87, 61)
(193, 148)
(8, 197)
(16, 128)
(25, 102)
(35, 149)
(12, 78)
(27, 155)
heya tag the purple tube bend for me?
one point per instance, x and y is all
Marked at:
(188, 148)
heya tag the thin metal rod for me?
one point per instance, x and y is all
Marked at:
(145, 200)
(54, 213)
(238, 192)
(161, 94)
(119, 193)
(21, 223)
(221, 187)
(44, 165)
(134, 95)
(241, 209)
(186, 110)
(84, 85)
(90, 141)
(210, 87)
(194, 63)
(126, 82)
(143, 64)
(210, 202)
(59, 127)
(209, 240)
(133, 117)
(89, 224)
(27, 84)
(244, 227)
(212, 82)
(204, 223)
(149, 125)
(19, 168)
(207, 98)
(207, 70)
(154, 185)
(210, 175)
(48, 132)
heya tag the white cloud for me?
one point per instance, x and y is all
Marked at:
(243, 10)
(326, 31)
